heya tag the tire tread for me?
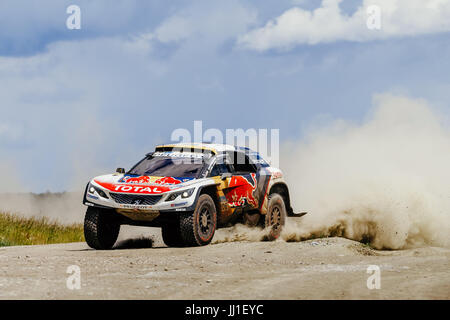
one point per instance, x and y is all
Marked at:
(100, 230)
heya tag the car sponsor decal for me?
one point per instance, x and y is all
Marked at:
(91, 196)
(168, 180)
(140, 180)
(178, 204)
(240, 190)
(135, 207)
(175, 154)
(132, 188)
(276, 173)
(131, 179)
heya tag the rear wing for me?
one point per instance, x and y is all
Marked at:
(185, 148)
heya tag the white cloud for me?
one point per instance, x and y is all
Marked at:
(56, 108)
(328, 23)
(69, 107)
(211, 20)
(174, 29)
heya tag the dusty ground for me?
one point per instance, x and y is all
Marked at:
(332, 268)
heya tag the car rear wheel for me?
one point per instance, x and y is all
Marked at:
(276, 216)
(197, 228)
(101, 228)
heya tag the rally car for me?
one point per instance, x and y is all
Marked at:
(188, 190)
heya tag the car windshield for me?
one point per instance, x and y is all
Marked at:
(168, 167)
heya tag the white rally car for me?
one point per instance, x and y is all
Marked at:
(188, 190)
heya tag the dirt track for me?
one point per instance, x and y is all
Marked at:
(332, 268)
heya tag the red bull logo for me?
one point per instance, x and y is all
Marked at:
(241, 191)
(141, 179)
(168, 180)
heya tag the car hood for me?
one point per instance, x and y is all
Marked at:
(125, 183)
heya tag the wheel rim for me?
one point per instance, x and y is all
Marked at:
(275, 217)
(205, 223)
(275, 222)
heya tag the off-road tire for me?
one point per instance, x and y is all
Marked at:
(275, 217)
(171, 234)
(197, 228)
(101, 229)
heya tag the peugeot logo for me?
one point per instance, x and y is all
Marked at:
(137, 201)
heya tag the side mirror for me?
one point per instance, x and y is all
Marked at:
(225, 175)
(120, 170)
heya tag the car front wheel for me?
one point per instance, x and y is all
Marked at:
(171, 234)
(197, 228)
(101, 229)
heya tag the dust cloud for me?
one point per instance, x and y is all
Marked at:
(64, 207)
(384, 181)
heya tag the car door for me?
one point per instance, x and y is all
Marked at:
(221, 173)
(241, 186)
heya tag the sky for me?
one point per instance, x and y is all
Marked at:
(79, 103)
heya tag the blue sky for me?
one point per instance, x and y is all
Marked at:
(78, 103)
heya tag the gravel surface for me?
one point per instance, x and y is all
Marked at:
(331, 268)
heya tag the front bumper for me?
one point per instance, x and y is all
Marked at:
(138, 206)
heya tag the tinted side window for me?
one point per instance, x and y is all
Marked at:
(241, 163)
(215, 171)
(219, 168)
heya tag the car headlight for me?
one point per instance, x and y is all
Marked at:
(93, 189)
(184, 194)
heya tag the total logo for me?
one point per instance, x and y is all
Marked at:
(127, 188)
(131, 188)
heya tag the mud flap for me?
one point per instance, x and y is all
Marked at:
(298, 215)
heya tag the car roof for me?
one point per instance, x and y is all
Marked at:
(214, 147)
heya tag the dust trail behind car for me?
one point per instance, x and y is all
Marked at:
(385, 181)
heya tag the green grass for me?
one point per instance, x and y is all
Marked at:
(16, 230)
